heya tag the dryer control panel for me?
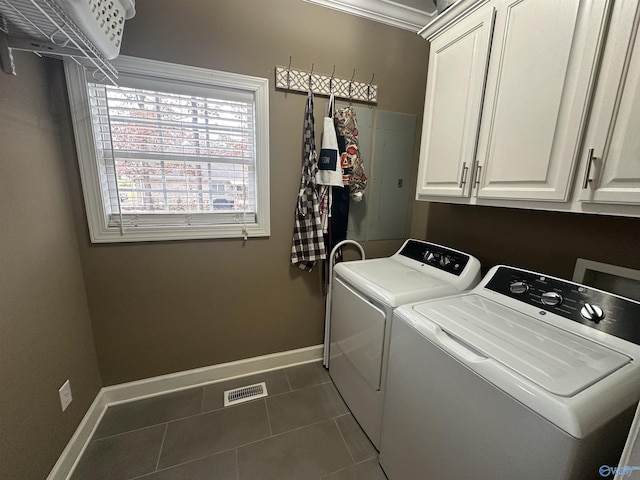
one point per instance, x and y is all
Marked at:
(595, 308)
(436, 256)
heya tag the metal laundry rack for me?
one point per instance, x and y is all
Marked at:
(49, 31)
(327, 308)
(288, 78)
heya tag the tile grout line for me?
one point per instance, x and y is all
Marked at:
(202, 403)
(266, 408)
(237, 466)
(367, 460)
(329, 474)
(353, 460)
(331, 395)
(279, 434)
(164, 436)
(129, 431)
(286, 375)
(181, 464)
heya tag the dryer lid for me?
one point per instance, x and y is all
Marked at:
(558, 361)
(391, 282)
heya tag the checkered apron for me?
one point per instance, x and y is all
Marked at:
(307, 246)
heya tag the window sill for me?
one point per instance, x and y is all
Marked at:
(170, 233)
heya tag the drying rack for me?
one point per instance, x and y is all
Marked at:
(291, 79)
(327, 307)
(49, 31)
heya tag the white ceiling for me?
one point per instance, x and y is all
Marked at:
(407, 14)
(428, 6)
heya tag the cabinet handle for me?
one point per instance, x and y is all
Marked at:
(587, 173)
(477, 178)
(463, 175)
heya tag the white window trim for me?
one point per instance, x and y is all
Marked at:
(99, 229)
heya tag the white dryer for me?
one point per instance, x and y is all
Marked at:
(526, 377)
(364, 294)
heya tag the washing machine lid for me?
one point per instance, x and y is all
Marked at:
(392, 283)
(558, 361)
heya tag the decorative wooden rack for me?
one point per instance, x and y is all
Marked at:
(302, 81)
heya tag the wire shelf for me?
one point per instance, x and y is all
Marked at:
(42, 26)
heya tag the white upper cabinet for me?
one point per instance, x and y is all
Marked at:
(542, 66)
(611, 154)
(534, 104)
(457, 66)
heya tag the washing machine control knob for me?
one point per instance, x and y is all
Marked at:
(551, 298)
(444, 260)
(592, 312)
(518, 287)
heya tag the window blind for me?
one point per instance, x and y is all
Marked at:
(170, 158)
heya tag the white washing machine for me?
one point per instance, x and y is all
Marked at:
(364, 294)
(525, 377)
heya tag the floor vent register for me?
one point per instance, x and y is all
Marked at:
(244, 394)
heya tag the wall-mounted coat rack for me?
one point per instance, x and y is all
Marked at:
(288, 78)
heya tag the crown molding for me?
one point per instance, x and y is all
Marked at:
(453, 14)
(383, 11)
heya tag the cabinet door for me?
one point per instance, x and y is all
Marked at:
(455, 83)
(612, 144)
(541, 71)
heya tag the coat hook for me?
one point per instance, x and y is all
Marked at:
(351, 83)
(289, 74)
(369, 87)
(331, 79)
(310, 75)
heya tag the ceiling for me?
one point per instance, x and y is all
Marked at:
(407, 14)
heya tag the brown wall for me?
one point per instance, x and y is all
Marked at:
(45, 333)
(164, 307)
(548, 242)
(168, 306)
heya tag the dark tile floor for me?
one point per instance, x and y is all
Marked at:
(301, 431)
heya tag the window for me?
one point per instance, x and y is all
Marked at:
(172, 152)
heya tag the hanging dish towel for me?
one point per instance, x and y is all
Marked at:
(329, 169)
(339, 202)
(352, 160)
(307, 246)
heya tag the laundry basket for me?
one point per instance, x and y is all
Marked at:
(102, 21)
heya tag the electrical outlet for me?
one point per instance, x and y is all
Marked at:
(65, 395)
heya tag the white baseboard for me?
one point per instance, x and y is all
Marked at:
(76, 446)
(149, 387)
(160, 385)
